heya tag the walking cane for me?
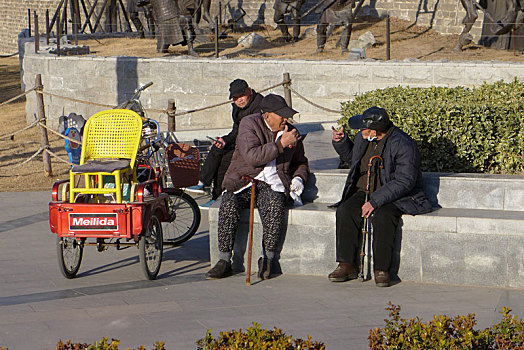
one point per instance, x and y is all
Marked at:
(366, 224)
(251, 220)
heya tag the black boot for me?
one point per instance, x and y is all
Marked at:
(220, 270)
(264, 268)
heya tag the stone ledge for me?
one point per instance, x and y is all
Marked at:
(483, 247)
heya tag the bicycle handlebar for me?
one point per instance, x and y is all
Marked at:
(143, 87)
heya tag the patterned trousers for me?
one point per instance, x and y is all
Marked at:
(271, 207)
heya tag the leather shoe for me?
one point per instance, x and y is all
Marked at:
(382, 278)
(344, 272)
(220, 270)
(264, 268)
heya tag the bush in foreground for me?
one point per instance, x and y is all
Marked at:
(443, 332)
(256, 338)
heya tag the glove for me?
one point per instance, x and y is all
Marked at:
(296, 198)
(297, 185)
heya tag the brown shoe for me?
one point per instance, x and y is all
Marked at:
(344, 272)
(382, 278)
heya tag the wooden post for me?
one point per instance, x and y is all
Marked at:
(88, 18)
(48, 171)
(74, 20)
(57, 14)
(287, 90)
(64, 18)
(47, 28)
(29, 20)
(220, 12)
(58, 33)
(37, 34)
(171, 111)
(388, 40)
(216, 36)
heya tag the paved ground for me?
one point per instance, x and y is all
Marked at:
(110, 298)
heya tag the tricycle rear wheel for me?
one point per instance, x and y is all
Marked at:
(184, 218)
(69, 252)
(150, 247)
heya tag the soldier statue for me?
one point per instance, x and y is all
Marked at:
(174, 24)
(338, 12)
(513, 20)
(133, 6)
(291, 7)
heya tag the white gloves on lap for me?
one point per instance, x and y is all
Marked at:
(297, 187)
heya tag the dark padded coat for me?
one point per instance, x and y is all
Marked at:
(238, 113)
(255, 148)
(400, 179)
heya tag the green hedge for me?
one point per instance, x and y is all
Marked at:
(456, 129)
(444, 332)
(257, 338)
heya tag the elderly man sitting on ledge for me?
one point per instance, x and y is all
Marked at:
(270, 150)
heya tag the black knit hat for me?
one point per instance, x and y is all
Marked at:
(374, 118)
(237, 87)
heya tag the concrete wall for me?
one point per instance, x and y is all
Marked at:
(199, 82)
(442, 15)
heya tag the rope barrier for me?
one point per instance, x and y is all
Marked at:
(73, 99)
(17, 97)
(223, 103)
(30, 158)
(19, 131)
(313, 103)
(57, 133)
(58, 157)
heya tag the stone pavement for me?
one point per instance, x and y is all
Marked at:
(110, 298)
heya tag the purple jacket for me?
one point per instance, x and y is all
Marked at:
(255, 148)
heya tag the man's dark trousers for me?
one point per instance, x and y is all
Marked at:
(215, 167)
(349, 231)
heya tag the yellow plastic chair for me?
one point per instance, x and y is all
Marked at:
(109, 147)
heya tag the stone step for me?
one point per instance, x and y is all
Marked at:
(458, 246)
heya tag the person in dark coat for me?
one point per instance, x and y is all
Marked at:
(398, 191)
(245, 101)
(270, 150)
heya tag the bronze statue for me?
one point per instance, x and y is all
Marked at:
(338, 12)
(513, 19)
(174, 24)
(292, 7)
(471, 7)
(133, 6)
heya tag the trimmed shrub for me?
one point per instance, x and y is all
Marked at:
(101, 345)
(456, 129)
(443, 332)
(256, 338)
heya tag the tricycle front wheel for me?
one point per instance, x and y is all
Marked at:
(150, 246)
(69, 252)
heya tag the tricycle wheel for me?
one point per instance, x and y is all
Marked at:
(69, 252)
(150, 246)
(184, 218)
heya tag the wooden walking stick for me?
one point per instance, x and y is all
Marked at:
(251, 221)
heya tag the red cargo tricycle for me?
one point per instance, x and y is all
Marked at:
(120, 194)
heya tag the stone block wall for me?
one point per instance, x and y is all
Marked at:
(196, 83)
(13, 19)
(444, 16)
